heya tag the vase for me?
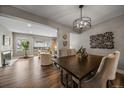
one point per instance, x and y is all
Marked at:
(82, 58)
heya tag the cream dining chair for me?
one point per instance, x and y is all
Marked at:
(105, 72)
(66, 52)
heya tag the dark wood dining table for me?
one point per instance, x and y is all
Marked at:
(76, 68)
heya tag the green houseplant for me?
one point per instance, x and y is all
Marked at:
(49, 50)
(82, 54)
(25, 47)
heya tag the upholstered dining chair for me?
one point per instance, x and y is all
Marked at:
(66, 52)
(62, 52)
(105, 72)
(71, 52)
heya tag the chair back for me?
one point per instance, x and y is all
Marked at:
(108, 66)
(105, 72)
(112, 75)
(63, 53)
(66, 52)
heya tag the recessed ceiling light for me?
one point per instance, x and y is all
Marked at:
(29, 25)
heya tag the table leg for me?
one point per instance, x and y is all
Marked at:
(79, 84)
(67, 80)
(62, 76)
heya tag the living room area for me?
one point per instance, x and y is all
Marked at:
(46, 46)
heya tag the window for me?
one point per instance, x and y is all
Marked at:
(41, 44)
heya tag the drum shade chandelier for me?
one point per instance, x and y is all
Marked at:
(83, 23)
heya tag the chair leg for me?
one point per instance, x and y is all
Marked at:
(109, 83)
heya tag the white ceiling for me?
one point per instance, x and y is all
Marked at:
(27, 27)
(66, 14)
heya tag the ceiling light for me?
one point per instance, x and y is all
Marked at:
(81, 24)
(29, 25)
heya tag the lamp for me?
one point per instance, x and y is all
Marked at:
(81, 24)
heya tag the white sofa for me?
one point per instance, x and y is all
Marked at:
(45, 59)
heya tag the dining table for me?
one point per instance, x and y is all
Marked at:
(76, 67)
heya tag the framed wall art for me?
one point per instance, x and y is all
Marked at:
(65, 36)
(6, 40)
(102, 41)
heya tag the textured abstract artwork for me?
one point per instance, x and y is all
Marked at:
(103, 41)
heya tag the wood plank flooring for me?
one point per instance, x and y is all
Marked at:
(27, 73)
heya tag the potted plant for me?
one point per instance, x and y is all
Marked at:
(49, 50)
(82, 54)
(25, 47)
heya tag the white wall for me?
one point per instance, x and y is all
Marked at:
(5, 31)
(9, 11)
(60, 39)
(115, 25)
(75, 42)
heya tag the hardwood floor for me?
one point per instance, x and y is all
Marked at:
(119, 81)
(27, 73)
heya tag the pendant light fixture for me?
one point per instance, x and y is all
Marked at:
(83, 23)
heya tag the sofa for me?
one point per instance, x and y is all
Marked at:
(45, 59)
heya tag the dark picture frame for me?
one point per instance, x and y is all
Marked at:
(6, 40)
